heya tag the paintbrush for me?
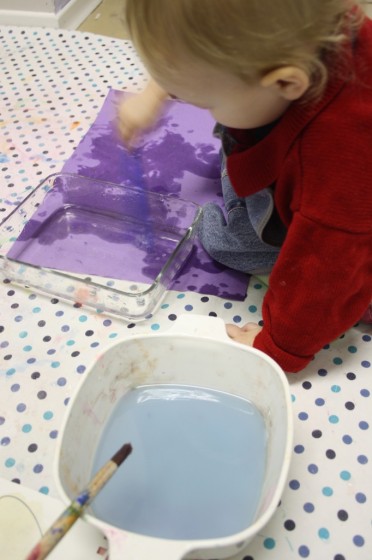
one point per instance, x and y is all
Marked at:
(72, 513)
(138, 178)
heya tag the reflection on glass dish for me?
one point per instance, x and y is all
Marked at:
(116, 249)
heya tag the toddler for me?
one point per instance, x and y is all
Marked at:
(289, 83)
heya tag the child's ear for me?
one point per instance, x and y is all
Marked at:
(291, 82)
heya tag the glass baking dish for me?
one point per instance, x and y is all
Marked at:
(112, 248)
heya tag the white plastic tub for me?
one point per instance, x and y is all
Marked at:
(196, 351)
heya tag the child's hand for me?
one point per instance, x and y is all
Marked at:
(135, 115)
(244, 335)
(140, 112)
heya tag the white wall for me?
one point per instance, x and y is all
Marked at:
(59, 4)
(34, 5)
(66, 14)
(28, 5)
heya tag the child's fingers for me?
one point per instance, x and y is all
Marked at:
(232, 330)
(245, 334)
(235, 330)
(128, 133)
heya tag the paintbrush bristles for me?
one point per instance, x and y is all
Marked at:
(122, 454)
(105, 473)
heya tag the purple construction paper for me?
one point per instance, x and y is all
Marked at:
(178, 157)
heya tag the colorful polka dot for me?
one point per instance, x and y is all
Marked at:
(323, 533)
(269, 543)
(26, 428)
(358, 540)
(345, 475)
(360, 498)
(304, 551)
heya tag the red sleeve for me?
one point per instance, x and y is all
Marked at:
(319, 287)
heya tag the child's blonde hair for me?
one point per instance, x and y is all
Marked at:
(247, 38)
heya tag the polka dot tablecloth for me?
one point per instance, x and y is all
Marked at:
(53, 84)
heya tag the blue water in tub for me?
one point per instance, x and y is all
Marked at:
(197, 466)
